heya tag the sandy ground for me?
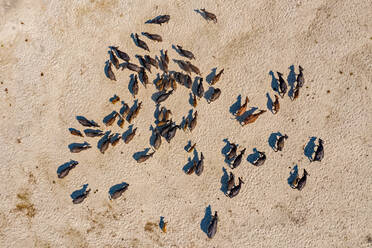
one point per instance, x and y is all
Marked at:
(68, 41)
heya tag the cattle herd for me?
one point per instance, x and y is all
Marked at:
(165, 128)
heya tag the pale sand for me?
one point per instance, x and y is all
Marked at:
(68, 42)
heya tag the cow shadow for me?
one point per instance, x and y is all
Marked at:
(79, 192)
(131, 84)
(123, 108)
(134, 39)
(224, 179)
(137, 155)
(107, 68)
(211, 75)
(253, 157)
(149, 21)
(208, 94)
(204, 224)
(126, 133)
(191, 99)
(194, 87)
(141, 76)
(108, 117)
(189, 116)
(103, 139)
(201, 13)
(291, 79)
(117, 187)
(134, 106)
(152, 136)
(293, 174)
(156, 80)
(157, 112)
(310, 148)
(188, 165)
(187, 146)
(74, 130)
(225, 150)
(74, 145)
(236, 105)
(65, 166)
(161, 222)
(177, 50)
(269, 103)
(112, 99)
(140, 60)
(274, 82)
(273, 138)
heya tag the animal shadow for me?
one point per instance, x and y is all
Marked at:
(253, 157)
(73, 130)
(161, 222)
(189, 116)
(310, 148)
(291, 79)
(157, 112)
(274, 82)
(188, 146)
(131, 83)
(73, 145)
(134, 106)
(273, 138)
(188, 165)
(196, 156)
(103, 139)
(123, 65)
(156, 80)
(109, 116)
(152, 137)
(224, 179)
(146, 35)
(225, 150)
(116, 187)
(292, 175)
(191, 99)
(140, 62)
(183, 122)
(211, 75)
(65, 165)
(123, 108)
(137, 155)
(206, 220)
(107, 68)
(201, 13)
(140, 77)
(208, 94)
(113, 98)
(177, 50)
(134, 39)
(270, 103)
(236, 105)
(153, 19)
(126, 133)
(79, 192)
(194, 87)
